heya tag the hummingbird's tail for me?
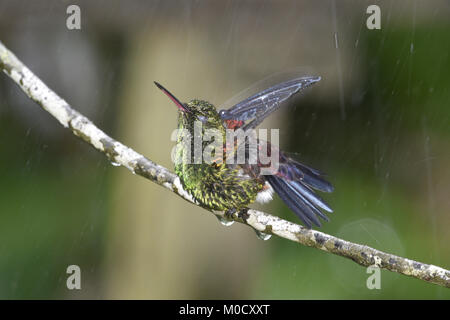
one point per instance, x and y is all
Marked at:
(294, 183)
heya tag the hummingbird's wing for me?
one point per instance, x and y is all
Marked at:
(293, 182)
(261, 105)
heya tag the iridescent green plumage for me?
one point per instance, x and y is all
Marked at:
(217, 186)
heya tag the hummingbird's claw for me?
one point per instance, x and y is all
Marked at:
(229, 214)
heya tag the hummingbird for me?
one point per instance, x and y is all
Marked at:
(233, 187)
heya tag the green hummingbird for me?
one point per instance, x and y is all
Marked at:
(231, 187)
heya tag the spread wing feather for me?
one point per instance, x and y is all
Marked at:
(262, 104)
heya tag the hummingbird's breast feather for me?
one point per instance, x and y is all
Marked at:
(266, 194)
(221, 187)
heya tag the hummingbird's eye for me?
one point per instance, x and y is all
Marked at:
(223, 114)
(202, 119)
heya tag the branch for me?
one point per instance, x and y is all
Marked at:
(261, 222)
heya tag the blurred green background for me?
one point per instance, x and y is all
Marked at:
(378, 123)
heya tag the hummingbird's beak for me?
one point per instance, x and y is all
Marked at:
(180, 105)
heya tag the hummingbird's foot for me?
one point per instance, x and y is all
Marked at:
(243, 214)
(229, 214)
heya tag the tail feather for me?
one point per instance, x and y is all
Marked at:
(310, 195)
(294, 201)
(300, 199)
(311, 177)
(291, 169)
(308, 202)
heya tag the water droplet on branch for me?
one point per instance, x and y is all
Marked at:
(262, 235)
(225, 222)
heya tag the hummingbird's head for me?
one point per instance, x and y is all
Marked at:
(195, 110)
